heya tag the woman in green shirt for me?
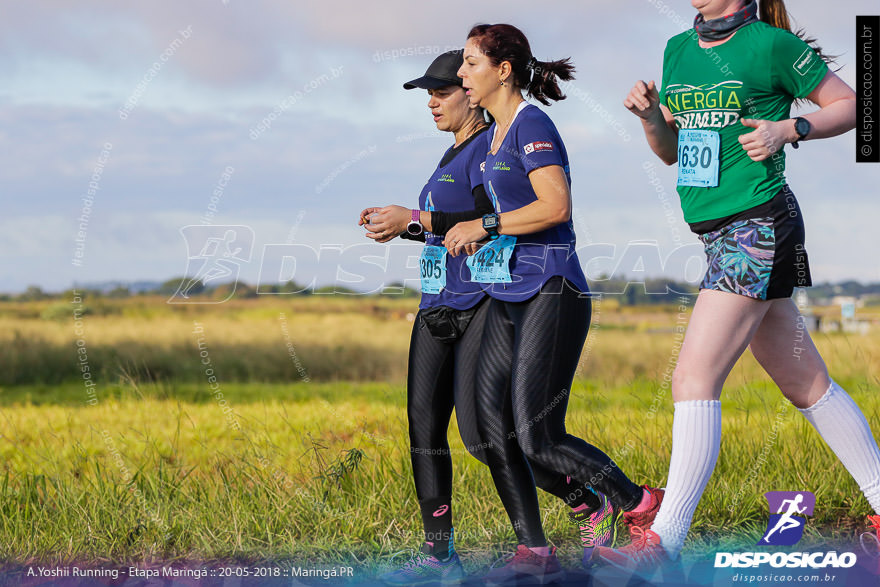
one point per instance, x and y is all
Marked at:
(723, 114)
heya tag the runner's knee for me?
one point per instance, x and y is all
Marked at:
(692, 384)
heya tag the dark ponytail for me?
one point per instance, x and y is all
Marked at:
(543, 84)
(504, 42)
(774, 13)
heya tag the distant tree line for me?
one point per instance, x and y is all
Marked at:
(628, 292)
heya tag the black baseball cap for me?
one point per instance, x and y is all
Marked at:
(442, 72)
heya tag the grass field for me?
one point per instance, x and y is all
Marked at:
(297, 448)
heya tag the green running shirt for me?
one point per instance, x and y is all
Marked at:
(756, 74)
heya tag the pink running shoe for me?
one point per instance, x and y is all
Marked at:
(526, 566)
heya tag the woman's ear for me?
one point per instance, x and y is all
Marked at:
(505, 69)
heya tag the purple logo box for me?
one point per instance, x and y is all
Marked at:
(776, 498)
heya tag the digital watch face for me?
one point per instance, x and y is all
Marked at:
(802, 127)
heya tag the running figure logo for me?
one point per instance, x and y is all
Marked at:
(788, 511)
(220, 252)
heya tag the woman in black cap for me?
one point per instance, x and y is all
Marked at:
(448, 328)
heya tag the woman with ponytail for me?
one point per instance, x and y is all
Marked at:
(536, 325)
(448, 328)
(726, 126)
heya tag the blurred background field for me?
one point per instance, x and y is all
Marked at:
(300, 450)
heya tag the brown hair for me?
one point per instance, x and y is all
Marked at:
(774, 13)
(504, 42)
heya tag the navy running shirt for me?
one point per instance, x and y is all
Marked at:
(531, 143)
(450, 189)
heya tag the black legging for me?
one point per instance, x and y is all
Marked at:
(441, 376)
(528, 358)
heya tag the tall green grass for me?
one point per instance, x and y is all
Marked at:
(318, 480)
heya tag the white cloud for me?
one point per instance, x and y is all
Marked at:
(66, 72)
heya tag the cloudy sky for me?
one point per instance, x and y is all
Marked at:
(291, 116)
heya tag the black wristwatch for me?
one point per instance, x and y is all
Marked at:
(802, 127)
(491, 224)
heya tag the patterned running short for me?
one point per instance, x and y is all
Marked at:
(763, 257)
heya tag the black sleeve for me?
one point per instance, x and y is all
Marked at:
(407, 236)
(441, 222)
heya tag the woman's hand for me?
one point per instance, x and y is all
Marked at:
(386, 223)
(463, 234)
(643, 100)
(472, 248)
(363, 218)
(768, 137)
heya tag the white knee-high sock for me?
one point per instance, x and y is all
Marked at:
(696, 440)
(840, 422)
